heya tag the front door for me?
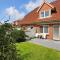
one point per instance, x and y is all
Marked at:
(56, 32)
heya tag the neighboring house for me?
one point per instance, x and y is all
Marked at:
(44, 19)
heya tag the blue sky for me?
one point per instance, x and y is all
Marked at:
(17, 9)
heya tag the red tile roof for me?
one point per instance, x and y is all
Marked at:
(33, 16)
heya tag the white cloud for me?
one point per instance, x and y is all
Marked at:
(33, 4)
(14, 13)
(30, 6)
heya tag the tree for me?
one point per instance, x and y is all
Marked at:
(7, 43)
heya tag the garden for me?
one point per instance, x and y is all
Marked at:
(14, 46)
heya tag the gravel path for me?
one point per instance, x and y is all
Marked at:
(47, 43)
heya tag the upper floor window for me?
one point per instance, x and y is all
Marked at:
(42, 14)
(45, 14)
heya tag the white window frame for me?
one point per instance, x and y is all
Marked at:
(40, 14)
(44, 14)
(48, 13)
(44, 29)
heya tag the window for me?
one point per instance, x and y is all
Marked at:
(42, 14)
(41, 29)
(44, 29)
(45, 14)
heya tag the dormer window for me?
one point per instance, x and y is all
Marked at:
(42, 14)
(45, 14)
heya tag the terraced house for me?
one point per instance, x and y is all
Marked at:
(45, 19)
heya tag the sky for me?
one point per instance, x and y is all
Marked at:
(17, 9)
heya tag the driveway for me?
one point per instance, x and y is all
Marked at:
(47, 43)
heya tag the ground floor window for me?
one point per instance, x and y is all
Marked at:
(44, 29)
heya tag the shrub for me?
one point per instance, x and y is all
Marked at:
(19, 35)
(7, 43)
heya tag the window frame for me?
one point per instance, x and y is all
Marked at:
(41, 14)
(43, 27)
(45, 13)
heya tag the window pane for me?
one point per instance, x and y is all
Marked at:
(45, 29)
(41, 29)
(46, 13)
(42, 14)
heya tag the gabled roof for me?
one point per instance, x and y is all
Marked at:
(50, 5)
(33, 16)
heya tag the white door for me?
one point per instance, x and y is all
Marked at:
(56, 32)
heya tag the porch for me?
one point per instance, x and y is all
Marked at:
(49, 32)
(50, 29)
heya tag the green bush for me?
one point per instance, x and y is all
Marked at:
(19, 35)
(7, 43)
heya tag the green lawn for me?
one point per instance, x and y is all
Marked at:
(29, 51)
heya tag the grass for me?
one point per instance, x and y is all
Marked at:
(29, 51)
